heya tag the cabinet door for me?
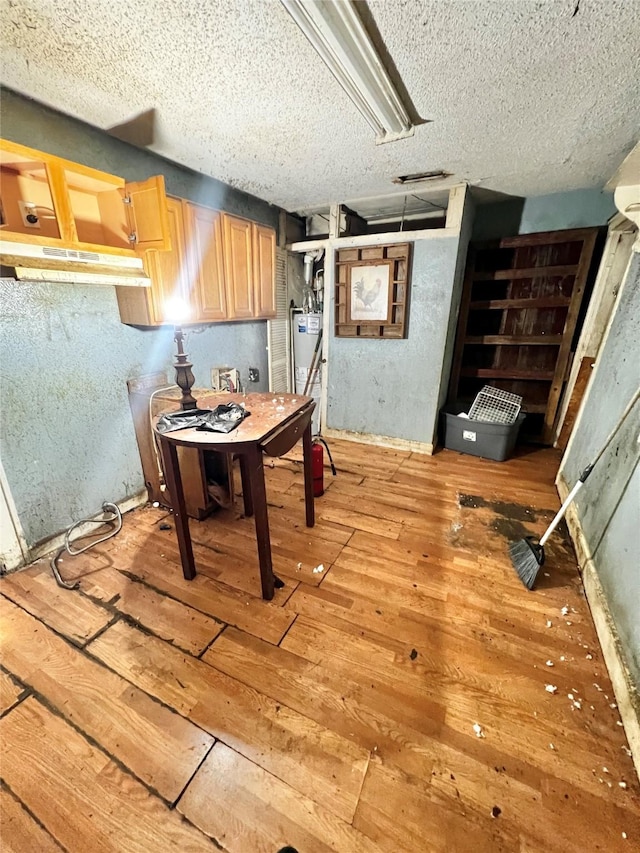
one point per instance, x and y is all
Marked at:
(264, 271)
(169, 280)
(148, 214)
(205, 263)
(238, 267)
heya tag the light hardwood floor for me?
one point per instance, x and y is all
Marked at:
(143, 712)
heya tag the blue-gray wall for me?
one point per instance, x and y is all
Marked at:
(394, 388)
(576, 209)
(30, 123)
(67, 439)
(609, 504)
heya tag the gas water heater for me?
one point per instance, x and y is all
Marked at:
(307, 351)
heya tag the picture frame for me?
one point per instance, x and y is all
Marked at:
(372, 287)
(369, 293)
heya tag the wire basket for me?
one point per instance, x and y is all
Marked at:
(494, 406)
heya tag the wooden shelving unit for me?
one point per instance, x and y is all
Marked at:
(520, 306)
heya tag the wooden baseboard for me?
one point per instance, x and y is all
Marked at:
(379, 440)
(626, 692)
(56, 542)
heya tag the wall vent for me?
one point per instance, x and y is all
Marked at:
(69, 254)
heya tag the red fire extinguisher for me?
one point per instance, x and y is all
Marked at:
(317, 465)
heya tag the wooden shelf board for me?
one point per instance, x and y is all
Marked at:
(537, 302)
(496, 373)
(514, 340)
(528, 272)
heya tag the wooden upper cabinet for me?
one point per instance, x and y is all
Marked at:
(168, 270)
(206, 264)
(264, 270)
(221, 265)
(49, 201)
(146, 203)
(151, 306)
(238, 267)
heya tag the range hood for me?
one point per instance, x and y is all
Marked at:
(29, 262)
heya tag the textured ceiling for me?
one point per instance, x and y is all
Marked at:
(524, 97)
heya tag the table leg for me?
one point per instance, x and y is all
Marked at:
(308, 476)
(246, 486)
(255, 473)
(174, 483)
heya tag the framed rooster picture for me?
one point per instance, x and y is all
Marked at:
(372, 291)
(369, 293)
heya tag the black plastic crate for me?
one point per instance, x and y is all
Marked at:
(478, 438)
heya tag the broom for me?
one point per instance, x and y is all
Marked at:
(527, 555)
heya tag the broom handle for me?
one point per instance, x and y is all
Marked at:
(559, 515)
(581, 480)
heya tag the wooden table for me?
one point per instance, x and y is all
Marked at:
(276, 423)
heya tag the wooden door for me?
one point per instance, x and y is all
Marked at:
(148, 214)
(264, 263)
(238, 267)
(168, 270)
(206, 265)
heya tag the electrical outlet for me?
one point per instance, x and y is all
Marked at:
(254, 374)
(30, 218)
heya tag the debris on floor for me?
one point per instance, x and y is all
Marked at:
(318, 569)
(496, 811)
(414, 654)
(551, 688)
(298, 567)
(549, 663)
(478, 730)
(565, 610)
(165, 526)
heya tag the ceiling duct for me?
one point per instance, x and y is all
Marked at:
(422, 177)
